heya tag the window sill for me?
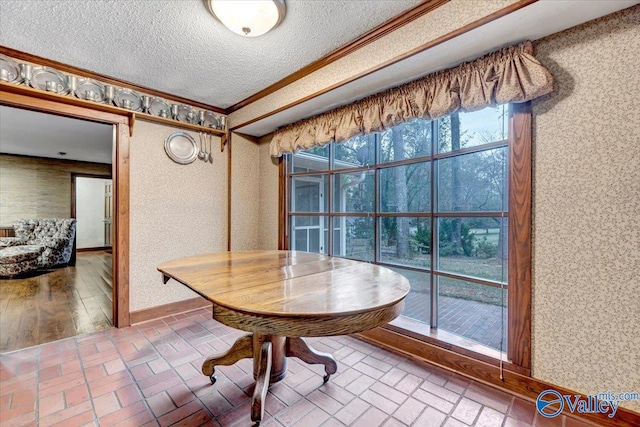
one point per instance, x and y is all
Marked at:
(452, 342)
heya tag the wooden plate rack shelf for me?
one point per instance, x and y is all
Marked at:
(70, 100)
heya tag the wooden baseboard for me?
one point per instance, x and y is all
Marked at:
(98, 248)
(168, 309)
(514, 383)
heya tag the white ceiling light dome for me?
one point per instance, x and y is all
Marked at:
(250, 18)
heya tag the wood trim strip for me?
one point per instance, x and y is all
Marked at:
(519, 247)
(72, 213)
(98, 248)
(61, 66)
(514, 383)
(229, 185)
(57, 160)
(89, 175)
(22, 97)
(121, 315)
(471, 26)
(365, 39)
(169, 309)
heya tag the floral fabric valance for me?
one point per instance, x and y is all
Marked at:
(511, 74)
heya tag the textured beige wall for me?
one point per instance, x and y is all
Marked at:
(443, 20)
(586, 209)
(254, 195)
(245, 193)
(268, 208)
(32, 187)
(176, 211)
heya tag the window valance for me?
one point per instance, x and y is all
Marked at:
(511, 74)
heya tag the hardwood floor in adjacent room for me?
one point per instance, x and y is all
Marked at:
(59, 303)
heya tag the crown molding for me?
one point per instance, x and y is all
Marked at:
(369, 37)
(66, 68)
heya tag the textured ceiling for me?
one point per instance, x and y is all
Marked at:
(32, 133)
(176, 46)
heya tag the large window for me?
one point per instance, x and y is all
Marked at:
(428, 199)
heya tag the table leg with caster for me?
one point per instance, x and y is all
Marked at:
(269, 355)
(241, 349)
(262, 383)
(298, 347)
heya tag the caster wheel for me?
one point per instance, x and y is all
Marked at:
(326, 378)
(213, 379)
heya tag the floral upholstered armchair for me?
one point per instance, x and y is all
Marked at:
(55, 235)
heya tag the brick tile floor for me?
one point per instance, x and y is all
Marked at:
(149, 375)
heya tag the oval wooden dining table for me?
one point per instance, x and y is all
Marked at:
(280, 297)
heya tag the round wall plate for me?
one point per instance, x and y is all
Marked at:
(181, 148)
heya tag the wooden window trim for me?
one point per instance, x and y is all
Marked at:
(519, 238)
(519, 298)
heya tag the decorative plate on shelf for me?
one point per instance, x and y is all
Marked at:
(211, 120)
(48, 79)
(181, 148)
(159, 107)
(126, 98)
(187, 114)
(90, 90)
(10, 70)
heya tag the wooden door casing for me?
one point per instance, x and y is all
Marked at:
(122, 123)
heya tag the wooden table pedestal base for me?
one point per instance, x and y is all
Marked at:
(269, 355)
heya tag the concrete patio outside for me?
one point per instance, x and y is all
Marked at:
(474, 320)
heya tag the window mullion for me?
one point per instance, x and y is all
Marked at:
(330, 184)
(376, 195)
(435, 140)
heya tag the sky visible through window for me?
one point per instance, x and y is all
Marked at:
(485, 122)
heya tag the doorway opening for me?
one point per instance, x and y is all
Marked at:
(92, 207)
(47, 161)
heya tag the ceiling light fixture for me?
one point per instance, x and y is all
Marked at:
(250, 18)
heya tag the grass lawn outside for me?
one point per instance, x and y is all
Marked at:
(490, 269)
(494, 269)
